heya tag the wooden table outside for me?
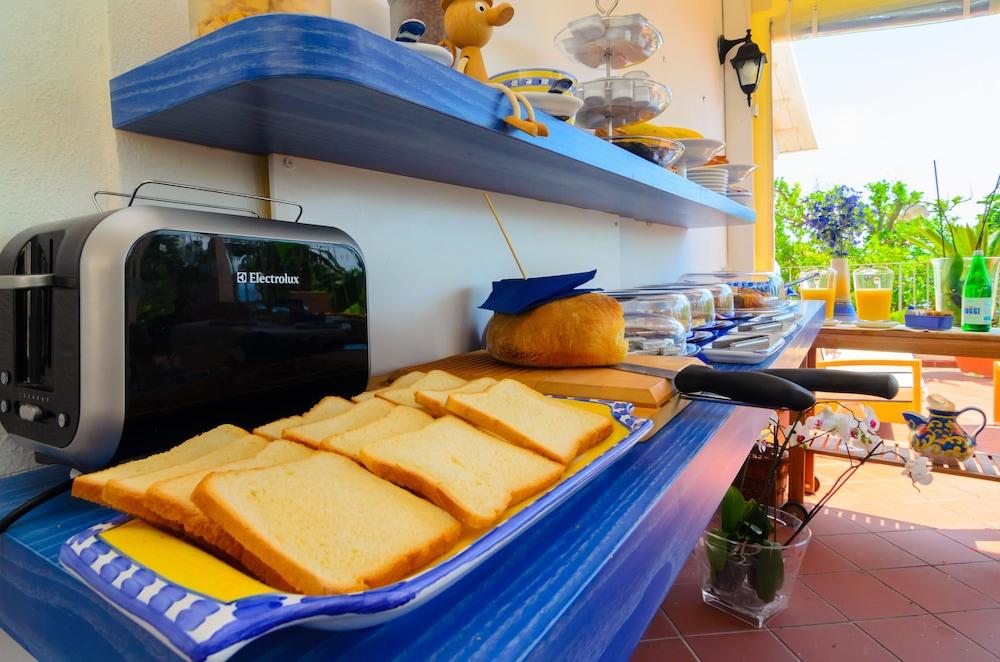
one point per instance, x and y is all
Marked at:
(900, 339)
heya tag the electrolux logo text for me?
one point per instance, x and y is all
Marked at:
(257, 278)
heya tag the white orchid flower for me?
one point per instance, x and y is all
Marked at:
(919, 471)
(872, 423)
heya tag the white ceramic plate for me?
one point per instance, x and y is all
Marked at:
(737, 172)
(439, 54)
(876, 324)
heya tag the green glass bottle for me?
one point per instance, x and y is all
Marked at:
(977, 297)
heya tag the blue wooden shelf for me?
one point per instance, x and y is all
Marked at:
(582, 584)
(331, 91)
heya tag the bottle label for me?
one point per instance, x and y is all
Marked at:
(977, 311)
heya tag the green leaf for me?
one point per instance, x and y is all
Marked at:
(733, 510)
(717, 549)
(767, 571)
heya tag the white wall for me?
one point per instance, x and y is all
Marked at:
(57, 147)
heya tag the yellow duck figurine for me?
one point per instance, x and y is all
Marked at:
(468, 26)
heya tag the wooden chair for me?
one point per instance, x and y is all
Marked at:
(910, 397)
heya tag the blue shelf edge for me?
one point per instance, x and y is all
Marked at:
(329, 90)
(583, 584)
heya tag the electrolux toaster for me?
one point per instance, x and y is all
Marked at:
(126, 332)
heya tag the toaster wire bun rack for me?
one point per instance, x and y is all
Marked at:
(192, 187)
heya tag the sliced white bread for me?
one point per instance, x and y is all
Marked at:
(327, 408)
(408, 379)
(531, 420)
(326, 525)
(91, 486)
(399, 421)
(275, 429)
(474, 476)
(171, 500)
(129, 494)
(435, 380)
(436, 402)
(361, 414)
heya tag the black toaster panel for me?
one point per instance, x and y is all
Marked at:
(223, 329)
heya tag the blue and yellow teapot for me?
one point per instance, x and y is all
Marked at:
(939, 437)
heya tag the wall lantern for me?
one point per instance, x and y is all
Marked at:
(749, 62)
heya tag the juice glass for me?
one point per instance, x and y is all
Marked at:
(820, 287)
(873, 293)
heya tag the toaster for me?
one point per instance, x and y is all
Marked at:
(125, 332)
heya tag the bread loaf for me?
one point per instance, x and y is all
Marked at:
(586, 330)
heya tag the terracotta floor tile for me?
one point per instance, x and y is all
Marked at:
(820, 558)
(690, 573)
(880, 524)
(759, 646)
(986, 510)
(858, 595)
(984, 541)
(660, 627)
(833, 643)
(691, 615)
(984, 577)
(805, 608)
(832, 521)
(924, 639)
(983, 627)
(868, 551)
(933, 590)
(933, 547)
(662, 650)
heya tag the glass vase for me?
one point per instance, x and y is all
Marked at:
(843, 308)
(949, 280)
(751, 582)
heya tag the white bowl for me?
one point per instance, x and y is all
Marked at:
(437, 53)
(557, 105)
(698, 152)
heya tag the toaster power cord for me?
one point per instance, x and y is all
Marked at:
(33, 503)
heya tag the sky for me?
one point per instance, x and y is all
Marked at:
(886, 103)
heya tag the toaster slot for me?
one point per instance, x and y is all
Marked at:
(32, 319)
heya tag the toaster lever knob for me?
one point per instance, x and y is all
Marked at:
(30, 412)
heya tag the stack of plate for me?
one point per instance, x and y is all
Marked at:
(714, 179)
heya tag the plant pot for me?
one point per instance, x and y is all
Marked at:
(751, 582)
(428, 11)
(949, 279)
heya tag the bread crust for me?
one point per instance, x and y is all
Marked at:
(582, 331)
(208, 499)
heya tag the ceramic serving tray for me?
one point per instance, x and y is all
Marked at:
(203, 609)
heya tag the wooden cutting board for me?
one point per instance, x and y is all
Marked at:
(604, 383)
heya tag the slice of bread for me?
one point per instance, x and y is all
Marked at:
(91, 486)
(401, 382)
(361, 414)
(435, 380)
(437, 401)
(473, 475)
(400, 420)
(129, 494)
(171, 500)
(326, 525)
(327, 408)
(275, 429)
(529, 419)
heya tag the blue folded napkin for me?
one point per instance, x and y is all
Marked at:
(516, 295)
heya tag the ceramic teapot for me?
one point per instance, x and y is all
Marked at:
(939, 437)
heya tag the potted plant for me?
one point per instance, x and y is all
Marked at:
(751, 553)
(838, 219)
(955, 243)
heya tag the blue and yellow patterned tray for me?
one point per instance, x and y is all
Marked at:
(203, 609)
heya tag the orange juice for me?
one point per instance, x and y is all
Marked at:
(874, 305)
(825, 294)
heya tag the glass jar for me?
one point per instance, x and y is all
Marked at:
(209, 15)
(819, 285)
(428, 11)
(873, 293)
